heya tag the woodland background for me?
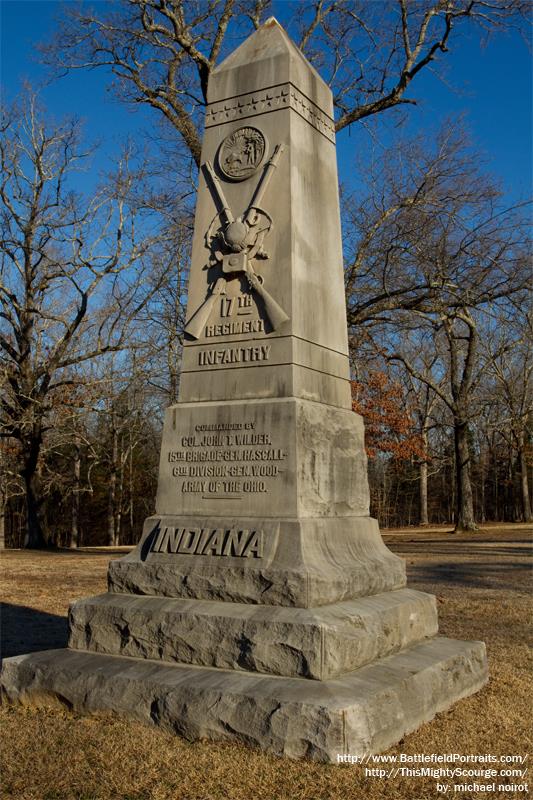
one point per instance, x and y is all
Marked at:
(93, 282)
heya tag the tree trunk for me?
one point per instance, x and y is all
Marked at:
(120, 495)
(510, 493)
(3, 506)
(3, 503)
(423, 493)
(34, 537)
(423, 483)
(453, 494)
(111, 532)
(483, 514)
(496, 485)
(75, 530)
(131, 517)
(524, 482)
(464, 520)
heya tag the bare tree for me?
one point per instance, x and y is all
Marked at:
(162, 52)
(71, 279)
(10, 482)
(424, 403)
(433, 245)
(508, 349)
(160, 343)
(460, 337)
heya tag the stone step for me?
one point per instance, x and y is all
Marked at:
(365, 711)
(319, 643)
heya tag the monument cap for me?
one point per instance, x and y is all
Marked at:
(268, 58)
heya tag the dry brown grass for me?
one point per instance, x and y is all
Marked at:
(482, 585)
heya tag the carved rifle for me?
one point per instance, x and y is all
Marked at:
(239, 262)
(200, 318)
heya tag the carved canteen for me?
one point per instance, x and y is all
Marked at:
(241, 153)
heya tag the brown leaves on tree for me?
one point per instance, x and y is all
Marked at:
(389, 422)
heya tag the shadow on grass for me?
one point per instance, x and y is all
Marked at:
(26, 630)
(512, 576)
(457, 545)
(112, 552)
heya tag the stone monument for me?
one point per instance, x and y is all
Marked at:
(261, 603)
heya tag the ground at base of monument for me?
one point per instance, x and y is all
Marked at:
(364, 711)
(482, 585)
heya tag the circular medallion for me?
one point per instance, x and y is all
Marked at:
(241, 153)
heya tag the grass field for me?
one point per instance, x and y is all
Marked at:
(483, 587)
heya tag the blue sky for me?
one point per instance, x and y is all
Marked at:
(491, 85)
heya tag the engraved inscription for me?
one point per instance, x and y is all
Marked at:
(241, 153)
(226, 461)
(234, 355)
(244, 304)
(208, 542)
(236, 305)
(233, 307)
(239, 326)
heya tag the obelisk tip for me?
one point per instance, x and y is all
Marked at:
(270, 22)
(268, 57)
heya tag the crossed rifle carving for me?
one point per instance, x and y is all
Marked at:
(235, 234)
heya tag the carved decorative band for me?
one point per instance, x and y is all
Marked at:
(277, 97)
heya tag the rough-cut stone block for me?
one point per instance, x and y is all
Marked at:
(364, 711)
(317, 643)
(291, 562)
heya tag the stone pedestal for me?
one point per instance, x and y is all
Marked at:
(361, 712)
(261, 603)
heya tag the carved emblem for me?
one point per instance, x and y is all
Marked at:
(235, 242)
(241, 153)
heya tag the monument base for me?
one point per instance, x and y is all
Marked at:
(302, 563)
(318, 643)
(364, 711)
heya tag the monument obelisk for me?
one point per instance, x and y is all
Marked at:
(261, 603)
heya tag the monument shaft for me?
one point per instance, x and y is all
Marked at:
(280, 110)
(263, 437)
(261, 603)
